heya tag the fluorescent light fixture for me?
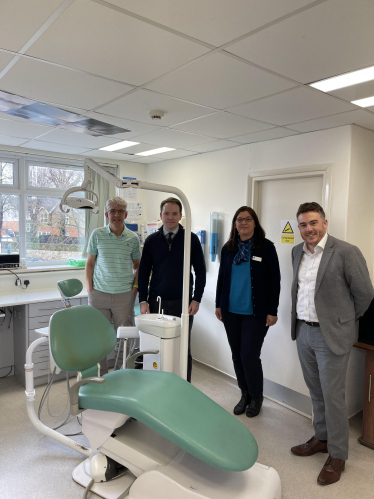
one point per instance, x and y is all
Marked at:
(345, 80)
(155, 151)
(119, 145)
(369, 101)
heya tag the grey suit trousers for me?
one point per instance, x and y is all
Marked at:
(324, 374)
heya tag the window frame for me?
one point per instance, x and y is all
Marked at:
(22, 189)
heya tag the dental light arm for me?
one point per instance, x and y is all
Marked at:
(123, 184)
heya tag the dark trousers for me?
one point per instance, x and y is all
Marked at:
(174, 307)
(246, 334)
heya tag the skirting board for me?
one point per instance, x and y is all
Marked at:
(282, 395)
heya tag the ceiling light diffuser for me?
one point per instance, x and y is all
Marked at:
(119, 145)
(345, 80)
(369, 101)
(155, 151)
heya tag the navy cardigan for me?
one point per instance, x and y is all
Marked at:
(265, 276)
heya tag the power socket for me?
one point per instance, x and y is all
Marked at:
(18, 282)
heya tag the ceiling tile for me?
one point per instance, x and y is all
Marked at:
(136, 128)
(41, 81)
(48, 146)
(11, 141)
(219, 81)
(94, 153)
(296, 105)
(273, 133)
(67, 137)
(359, 117)
(174, 138)
(137, 106)
(355, 92)
(178, 153)
(213, 21)
(22, 129)
(222, 125)
(93, 38)
(20, 19)
(214, 146)
(332, 38)
(5, 59)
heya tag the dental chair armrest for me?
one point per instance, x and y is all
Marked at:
(127, 332)
(130, 364)
(74, 394)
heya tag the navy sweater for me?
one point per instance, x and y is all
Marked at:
(166, 265)
(265, 277)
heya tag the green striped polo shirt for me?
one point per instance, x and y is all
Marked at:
(113, 266)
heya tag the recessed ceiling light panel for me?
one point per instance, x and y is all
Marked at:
(369, 101)
(155, 151)
(119, 145)
(346, 80)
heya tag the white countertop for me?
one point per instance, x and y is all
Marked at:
(34, 297)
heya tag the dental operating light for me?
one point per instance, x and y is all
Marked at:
(83, 203)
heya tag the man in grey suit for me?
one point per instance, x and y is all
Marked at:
(331, 290)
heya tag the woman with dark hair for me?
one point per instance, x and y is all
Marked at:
(247, 301)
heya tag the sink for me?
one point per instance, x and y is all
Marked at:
(165, 326)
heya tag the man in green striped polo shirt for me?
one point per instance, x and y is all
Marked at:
(113, 257)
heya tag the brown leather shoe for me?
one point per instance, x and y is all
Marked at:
(309, 448)
(331, 471)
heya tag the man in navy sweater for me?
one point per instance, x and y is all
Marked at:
(163, 256)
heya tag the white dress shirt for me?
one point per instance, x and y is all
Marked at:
(174, 232)
(306, 284)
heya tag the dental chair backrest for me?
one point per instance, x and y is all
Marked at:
(68, 289)
(80, 337)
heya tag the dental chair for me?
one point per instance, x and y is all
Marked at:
(152, 431)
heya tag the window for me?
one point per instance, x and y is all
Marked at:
(47, 177)
(41, 233)
(9, 223)
(66, 219)
(28, 227)
(43, 218)
(6, 173)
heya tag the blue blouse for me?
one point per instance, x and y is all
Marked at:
(240, 299)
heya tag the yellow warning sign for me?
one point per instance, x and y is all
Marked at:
(155, 365)
(288, 231)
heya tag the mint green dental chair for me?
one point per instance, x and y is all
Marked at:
(81, 336)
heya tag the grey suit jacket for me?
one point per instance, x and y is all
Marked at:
(343, 292)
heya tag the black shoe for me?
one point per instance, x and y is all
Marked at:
(242, 404)
(254, 407)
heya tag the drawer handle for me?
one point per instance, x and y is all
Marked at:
(44, 357)
(43, 322)
(45, 369)
(369, 387)
(51, 308)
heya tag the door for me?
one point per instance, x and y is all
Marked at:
(279, 199)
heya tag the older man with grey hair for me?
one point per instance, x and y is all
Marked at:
(113, 257)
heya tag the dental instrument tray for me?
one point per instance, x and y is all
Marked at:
(77, 262)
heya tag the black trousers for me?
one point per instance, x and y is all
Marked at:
(246, 334)
(174, 307)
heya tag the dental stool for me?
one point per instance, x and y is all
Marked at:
(159, 434)
(68, 289)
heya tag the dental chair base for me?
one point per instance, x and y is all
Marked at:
(159, 469)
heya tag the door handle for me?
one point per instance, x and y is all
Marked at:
(369, 387)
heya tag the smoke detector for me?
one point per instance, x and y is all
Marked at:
(156, 115)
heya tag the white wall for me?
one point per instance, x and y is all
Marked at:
(214, 181)
(217, 182)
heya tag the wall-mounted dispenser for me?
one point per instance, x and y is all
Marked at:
(213, 250)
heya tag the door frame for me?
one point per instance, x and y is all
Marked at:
(324, 171)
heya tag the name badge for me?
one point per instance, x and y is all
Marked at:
(257, 258)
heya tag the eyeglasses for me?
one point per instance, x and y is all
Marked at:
(120, 212)
(246, 220)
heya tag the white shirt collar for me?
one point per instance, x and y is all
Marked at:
(319, 247)
(166, 232)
